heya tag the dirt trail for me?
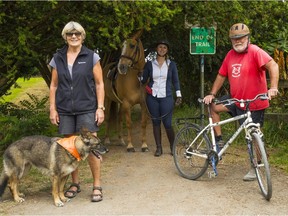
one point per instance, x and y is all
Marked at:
(141, 184)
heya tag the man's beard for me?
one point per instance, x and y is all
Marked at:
(241, 48)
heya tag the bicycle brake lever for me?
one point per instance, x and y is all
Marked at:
(200, 100)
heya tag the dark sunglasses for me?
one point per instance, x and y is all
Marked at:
(70, 34)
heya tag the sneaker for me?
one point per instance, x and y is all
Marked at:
(250, 176)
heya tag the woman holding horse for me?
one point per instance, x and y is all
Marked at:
(162, 74)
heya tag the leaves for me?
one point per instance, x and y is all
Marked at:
(31, 32)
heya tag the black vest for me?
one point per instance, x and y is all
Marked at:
(76, 95)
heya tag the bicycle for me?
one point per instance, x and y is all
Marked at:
(194, 150)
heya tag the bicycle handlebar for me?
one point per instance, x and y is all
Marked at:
(262, 96)
(230, 101)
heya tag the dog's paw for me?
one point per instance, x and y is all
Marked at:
(59, 203)
(19, 199)
(65, 199)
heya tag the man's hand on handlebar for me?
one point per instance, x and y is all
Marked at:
(208, 99)
(272, 92)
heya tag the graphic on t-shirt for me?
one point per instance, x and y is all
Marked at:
(236, 70)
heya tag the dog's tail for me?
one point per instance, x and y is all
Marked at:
(3, 183)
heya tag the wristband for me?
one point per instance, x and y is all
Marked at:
(212, 94)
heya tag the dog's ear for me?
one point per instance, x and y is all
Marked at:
(84, 131)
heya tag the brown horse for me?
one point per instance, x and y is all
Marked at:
(123, 88)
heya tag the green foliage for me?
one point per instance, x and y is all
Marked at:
(279, 157)
(275, 133)
(28, 119)
(37, 27)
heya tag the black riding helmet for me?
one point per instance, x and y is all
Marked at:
(165, 42)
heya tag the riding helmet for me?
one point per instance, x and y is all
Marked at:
(238, 30)
(165, 42)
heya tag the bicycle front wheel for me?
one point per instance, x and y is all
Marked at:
(190, 160)
(261, 165)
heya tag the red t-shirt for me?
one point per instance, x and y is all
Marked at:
(247, 74)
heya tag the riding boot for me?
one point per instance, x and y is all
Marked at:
(157, 137)
(171, 136)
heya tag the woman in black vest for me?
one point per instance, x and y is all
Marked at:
(77, 97)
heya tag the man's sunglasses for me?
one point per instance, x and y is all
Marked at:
(70, 34)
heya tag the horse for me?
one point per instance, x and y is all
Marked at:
(123, 90)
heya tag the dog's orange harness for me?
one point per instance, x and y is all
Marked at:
(69, 144)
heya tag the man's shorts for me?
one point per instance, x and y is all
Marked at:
(257, 116)
(71, 124)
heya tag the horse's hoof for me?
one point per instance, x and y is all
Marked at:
(145, 149)
(130, 150)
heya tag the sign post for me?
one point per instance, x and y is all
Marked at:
(202, 41)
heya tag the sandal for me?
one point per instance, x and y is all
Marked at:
(97, 197)
(73, 192)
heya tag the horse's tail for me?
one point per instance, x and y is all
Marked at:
(113, 115)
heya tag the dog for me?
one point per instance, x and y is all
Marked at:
(51, 156)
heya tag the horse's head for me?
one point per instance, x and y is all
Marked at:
(132, 55)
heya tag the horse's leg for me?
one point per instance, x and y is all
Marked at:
(120, 127)
(126, 109)
(107, 121)
(144, 119)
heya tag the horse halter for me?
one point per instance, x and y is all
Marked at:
(133, 57)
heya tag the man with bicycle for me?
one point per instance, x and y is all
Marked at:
(245, 67)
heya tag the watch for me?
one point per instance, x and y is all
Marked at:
(101, 107)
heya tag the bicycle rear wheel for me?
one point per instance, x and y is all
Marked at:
(191, 166)
(261, 165)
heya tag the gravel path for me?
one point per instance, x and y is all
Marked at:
(141, 184)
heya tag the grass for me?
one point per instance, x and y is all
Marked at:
(33, 85)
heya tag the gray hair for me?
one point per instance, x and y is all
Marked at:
(73, 26)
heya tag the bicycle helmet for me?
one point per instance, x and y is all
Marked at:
(238, 30)
(165, 42)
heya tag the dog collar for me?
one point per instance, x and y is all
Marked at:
(69, 144)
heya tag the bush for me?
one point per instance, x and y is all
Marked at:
(30, 118)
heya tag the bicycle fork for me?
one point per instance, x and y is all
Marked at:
(250, 150)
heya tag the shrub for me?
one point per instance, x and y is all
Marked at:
(30, 118)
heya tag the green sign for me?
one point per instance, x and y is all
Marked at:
(202, 40)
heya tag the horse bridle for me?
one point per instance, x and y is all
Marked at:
(133, 58)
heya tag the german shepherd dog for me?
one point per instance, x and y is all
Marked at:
(47, 155)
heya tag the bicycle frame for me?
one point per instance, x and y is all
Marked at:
(245, 125)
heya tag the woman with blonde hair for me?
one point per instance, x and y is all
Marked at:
(77, 97)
